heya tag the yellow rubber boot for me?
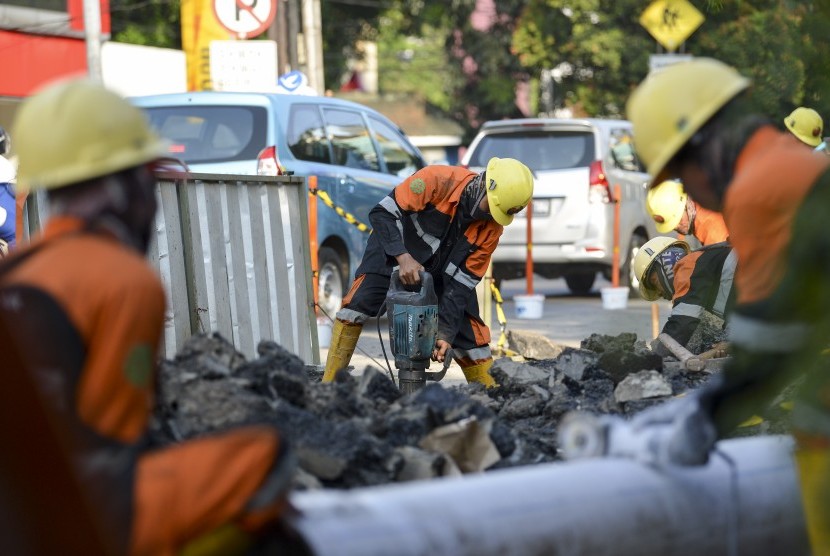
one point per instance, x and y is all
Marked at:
(479, 373)
(344, 337)
(814, 476)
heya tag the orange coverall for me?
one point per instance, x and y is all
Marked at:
(88, 314)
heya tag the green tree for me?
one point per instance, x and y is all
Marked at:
(149, 23)
(597, 47)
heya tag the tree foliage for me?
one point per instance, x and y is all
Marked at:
(597, 49)
(149, 22)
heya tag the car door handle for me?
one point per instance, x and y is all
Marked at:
(349, 182)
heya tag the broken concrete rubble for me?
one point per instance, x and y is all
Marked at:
(642, 385)
(532, 345)
(360, 430)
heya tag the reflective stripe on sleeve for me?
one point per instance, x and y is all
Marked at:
(391, 206)
(687, 310)
(433, 242)
(726, 278)
(756, 335)
(461, 276)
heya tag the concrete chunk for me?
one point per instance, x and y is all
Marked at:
(642, 385)
(518, 372)
(532, 345)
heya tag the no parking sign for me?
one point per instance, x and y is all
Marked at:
(245, 18)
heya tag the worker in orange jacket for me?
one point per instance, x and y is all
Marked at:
(446, 220)
(694, 281)
(691, 120)
(88, 313)
(672, 210)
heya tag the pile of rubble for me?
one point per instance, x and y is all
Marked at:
(360, 430)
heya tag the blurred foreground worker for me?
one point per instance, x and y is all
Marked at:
(88, 313)
(446, 220)
(692, 121)
(673, 210)
(694, 281)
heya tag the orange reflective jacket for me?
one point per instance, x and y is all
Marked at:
(422, 217)
(709, 227)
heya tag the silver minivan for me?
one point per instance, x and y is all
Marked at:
(577, 164)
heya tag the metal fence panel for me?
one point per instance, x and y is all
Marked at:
(243, 231)
(233, 255)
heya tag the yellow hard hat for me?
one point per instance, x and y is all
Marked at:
(644, 258)
(672, 104)
(509, 188)
(666, 204)
(76, 130)
(806, 124)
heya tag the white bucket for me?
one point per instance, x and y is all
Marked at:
(529, 306)
(614, 298)
(324, 332)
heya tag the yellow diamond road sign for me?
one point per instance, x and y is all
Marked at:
(671, 21)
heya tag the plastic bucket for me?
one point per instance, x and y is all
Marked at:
(614, 298)
(529, 306)
(324, 333)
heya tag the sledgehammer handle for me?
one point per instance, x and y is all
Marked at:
(673, 346)
(690, 361)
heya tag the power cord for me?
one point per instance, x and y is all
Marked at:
(361, 350)
(380, 339)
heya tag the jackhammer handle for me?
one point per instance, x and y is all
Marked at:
(426, 281)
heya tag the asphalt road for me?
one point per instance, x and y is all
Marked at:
(566, 319)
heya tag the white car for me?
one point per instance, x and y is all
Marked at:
(577, 164)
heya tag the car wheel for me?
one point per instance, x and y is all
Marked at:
(627, 274)
(580, 283)
(331, 281)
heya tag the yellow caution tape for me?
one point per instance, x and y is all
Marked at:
(323, 196)
(501, 346)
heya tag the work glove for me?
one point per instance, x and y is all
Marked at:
(678, 432)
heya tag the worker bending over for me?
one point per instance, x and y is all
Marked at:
(445, 220)
(673, 210)
(695, 282)
(87, 311)
(692, 121)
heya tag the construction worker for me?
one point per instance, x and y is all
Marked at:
(87, 313)
(446, 220)
(694, 281)
(673, 210)
(692, 120)
(806, 124)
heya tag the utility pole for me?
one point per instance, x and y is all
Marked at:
(293, 34)
(278, 32)
(313, 33)
(92, 35)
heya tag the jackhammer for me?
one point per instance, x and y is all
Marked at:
(413, 327)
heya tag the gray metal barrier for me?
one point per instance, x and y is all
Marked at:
(233, 254)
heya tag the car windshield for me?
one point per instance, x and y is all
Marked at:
(211, 133)
(539, 150)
